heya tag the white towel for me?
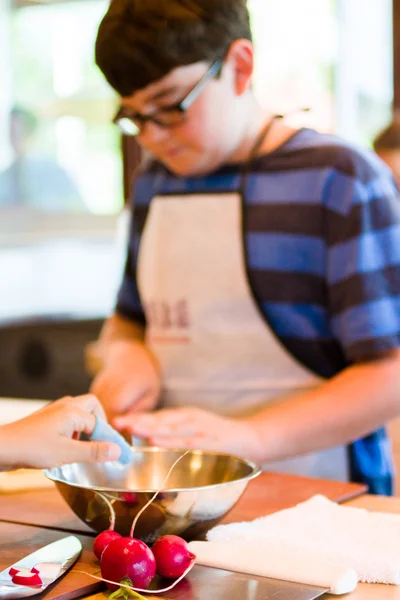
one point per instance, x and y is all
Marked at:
(277, 560)
(367, 542)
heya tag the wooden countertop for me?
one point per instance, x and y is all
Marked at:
(266, 494)
(45, 509)
(364, 591)
(370, 591)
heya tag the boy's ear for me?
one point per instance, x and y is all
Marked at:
(240, 57)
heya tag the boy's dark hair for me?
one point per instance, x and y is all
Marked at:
(140, 41)
(389, 138)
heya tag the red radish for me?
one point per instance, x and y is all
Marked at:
(102, 540)
(130, 558)
(25, 577)
(13, 571)
(129, 497)
(172, 555)
(47, 570)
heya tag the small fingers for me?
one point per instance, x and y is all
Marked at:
(167, 422)
(90, 403)
(92, 452)
(76, 420)
(182, 442)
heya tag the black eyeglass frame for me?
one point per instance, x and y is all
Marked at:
(139, 120)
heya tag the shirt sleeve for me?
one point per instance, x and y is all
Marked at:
(128, 300)
(363, 261)
(129, 304)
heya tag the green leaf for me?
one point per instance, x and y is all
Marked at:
(128, 592)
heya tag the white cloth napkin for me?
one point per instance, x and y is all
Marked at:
(368, 542)
(277, 560)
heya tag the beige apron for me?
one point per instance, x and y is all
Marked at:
(215, 349)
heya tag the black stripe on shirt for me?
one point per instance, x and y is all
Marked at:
(316, 220)
(139, 217)
(374, 286)
(375, 216)
(341, 158)
(324, 357)
(297, 288)
(301, 219)
(370, 349)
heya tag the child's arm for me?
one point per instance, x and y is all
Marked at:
(352, 404)
(47, 438)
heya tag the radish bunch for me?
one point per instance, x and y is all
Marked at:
(129, 558)
(127, 563)
(172, 555)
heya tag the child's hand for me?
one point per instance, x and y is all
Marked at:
(48, 437)
(191, 427)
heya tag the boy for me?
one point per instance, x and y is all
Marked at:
(260, 302)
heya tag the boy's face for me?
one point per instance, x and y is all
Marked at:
(213, 125)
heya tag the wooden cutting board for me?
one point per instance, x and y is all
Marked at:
(16, 541)
(266, 494)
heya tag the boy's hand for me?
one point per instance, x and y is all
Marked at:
(47, 438)
(193, 428)
(129, 381)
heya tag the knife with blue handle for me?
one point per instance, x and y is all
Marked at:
(63, 554)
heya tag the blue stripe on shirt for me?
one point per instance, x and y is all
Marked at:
(344, 192)
(285, 252)
(369, 252)
(226, 182)
(305, 321)
(286, 187)
(376, 319)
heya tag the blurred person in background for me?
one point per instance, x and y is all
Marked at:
(33, 180)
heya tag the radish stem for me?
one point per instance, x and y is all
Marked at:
(111, 508)
(135, 520)
(129, 587)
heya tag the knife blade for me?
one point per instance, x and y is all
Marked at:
(64, 552)
(219, 584)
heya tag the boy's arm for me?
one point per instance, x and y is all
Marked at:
(115, 331)
(352, 404)
(127, 378)
(349, 406)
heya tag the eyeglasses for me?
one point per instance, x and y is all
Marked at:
(132, 123)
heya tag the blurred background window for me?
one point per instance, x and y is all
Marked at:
(333, 56)
(61, 184)
(63, 154)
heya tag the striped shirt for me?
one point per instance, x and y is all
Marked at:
(321, 233)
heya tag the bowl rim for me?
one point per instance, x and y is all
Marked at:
(255, 472)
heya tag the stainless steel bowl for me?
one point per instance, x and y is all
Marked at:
(200, 491)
